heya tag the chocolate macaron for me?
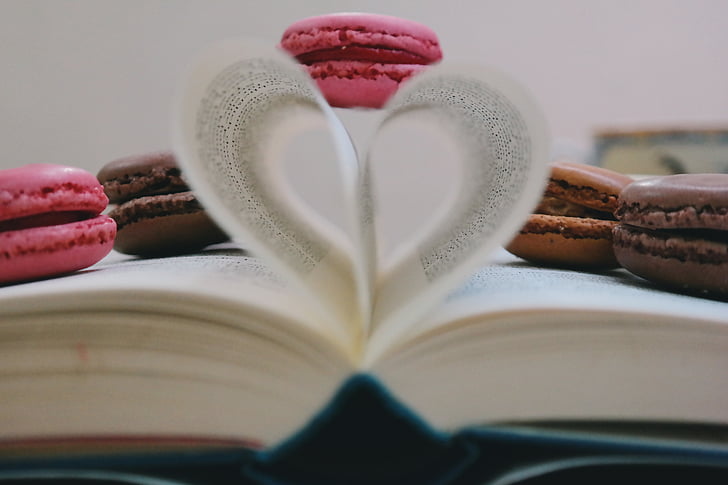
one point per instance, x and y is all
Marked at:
(572, 226)
(156, 213)
(674, 230)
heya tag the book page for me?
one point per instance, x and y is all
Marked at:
(518, 341)
(511, 286)
(240, 106)
(501, 148)
(222, 281)
(193, 344)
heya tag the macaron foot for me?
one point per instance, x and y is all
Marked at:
(42, 252)
(678, 261)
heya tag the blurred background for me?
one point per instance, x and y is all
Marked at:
(87, 81)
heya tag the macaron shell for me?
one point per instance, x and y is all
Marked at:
(53, 250)
(679, 190)
(565, 241)
(40, 188)
(587, 185)
(342, 29)
(673, 260)
(686, 201)
(140, 175)
(164, 224)
(169, 234)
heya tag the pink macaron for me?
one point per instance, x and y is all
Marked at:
(51, 222)
(358, 59)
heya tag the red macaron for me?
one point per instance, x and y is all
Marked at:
(51, 221)
(358, 59)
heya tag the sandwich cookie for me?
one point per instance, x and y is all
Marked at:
(51, 222)
(674, 231)
(572, 225)
(155, 211)
(358, 59)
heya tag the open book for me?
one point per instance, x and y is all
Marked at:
(224, 344)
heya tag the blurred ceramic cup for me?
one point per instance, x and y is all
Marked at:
(663, 151)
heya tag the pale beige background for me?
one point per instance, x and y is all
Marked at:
(86, 81)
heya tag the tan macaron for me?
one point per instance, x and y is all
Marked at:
(572, 226)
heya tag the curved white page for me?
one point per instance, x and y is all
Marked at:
(502, 141)
(239, 105)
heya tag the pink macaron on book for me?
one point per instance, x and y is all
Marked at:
(309, 344)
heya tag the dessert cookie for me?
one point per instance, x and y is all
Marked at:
(358, 59)
(572, 226)
(51, 221)
(674, 230)
(156, 212)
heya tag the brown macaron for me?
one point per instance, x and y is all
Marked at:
(674, 231)
(572, 226)
(156, 213)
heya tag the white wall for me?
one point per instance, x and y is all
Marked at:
(86, 81)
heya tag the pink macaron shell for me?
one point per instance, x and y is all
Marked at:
(39, 252)
(348, 84)
(342, 29)
(40, 188)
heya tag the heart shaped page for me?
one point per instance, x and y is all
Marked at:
(240, 104)
(243, 103)
(501, 149)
